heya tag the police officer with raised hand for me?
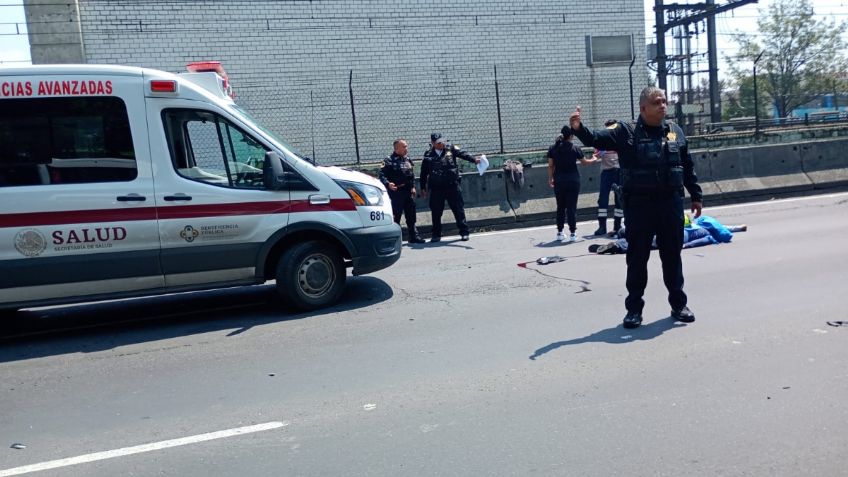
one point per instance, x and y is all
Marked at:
(441, 180)
(398, 175)
(655, 168)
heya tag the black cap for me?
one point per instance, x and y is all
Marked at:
(434, 137)
(566, 131)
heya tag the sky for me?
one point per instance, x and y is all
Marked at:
(14, 44)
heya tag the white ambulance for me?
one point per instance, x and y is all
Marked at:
(119, 181)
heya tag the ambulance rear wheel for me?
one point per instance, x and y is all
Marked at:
(311, 275)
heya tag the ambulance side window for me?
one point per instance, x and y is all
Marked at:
(206, 147)
(46, 141)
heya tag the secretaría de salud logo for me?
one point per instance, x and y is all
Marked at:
(30, 242)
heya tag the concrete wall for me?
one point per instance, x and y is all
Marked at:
(725, 175)
(54, 31)
(417, 65)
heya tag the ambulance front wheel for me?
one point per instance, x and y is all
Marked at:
(311, 275)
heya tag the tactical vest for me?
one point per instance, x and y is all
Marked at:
(400, 171)
(444, 170)
(657, 165)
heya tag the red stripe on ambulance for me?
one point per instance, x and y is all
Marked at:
(174, 212)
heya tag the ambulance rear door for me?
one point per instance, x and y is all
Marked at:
(77, 212)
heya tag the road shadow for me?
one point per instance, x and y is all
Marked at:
(557, 243)
(616, 335)
(92, 327)
(455, 243)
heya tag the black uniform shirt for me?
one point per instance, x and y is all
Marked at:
(621, 137)
(398, 170)
(442, 170)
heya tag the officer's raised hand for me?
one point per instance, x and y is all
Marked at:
(574, 120)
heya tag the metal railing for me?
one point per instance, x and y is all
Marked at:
(750, 124)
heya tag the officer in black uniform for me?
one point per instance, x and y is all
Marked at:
(398, 175)
(441, 180)
(655, 168)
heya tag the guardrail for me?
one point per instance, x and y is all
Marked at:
(748, 124)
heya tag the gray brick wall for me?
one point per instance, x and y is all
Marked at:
(417, 65)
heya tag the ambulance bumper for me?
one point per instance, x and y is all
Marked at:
(376, 248)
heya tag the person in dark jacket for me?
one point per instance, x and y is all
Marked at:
(441, 180)
(398, 175)
(655, 168)
(563, 176)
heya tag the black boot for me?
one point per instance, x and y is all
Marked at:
(616, 224)
(602, 226)
(684, 314)
(632, 320)
(414, 237)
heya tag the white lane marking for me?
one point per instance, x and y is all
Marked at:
(82, 459)
(722, 207)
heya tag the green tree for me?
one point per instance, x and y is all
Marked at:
(738, 101)
(801, 54)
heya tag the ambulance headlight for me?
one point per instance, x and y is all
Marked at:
(362, 194)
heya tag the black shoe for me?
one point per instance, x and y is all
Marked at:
(609, 248)
(684, 314)
(594, 248)
(600, 231)
(464, 238)
(416, 240)
(435, 239)
(632, 320)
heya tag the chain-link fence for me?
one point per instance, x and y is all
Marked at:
(353, 118)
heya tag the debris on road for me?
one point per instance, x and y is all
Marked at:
(18, 446)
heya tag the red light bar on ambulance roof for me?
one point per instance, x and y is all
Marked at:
(214, 66)
(163, 86)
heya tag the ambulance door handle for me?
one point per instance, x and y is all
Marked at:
(319, 199)
(180, 196)
(131, 198)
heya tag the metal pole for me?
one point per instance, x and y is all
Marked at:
(498, 101)
(630, 72)
(660, 26)
(756, 99)
(312, 104)
(690, 118)
(353, 115)
(715, 94)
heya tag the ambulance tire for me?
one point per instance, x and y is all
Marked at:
(311, 275)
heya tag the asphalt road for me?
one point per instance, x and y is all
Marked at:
(457, 362)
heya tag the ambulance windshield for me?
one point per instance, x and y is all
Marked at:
(276, 138)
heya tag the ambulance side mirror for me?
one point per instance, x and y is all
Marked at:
(273, 175)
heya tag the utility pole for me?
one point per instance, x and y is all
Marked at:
(659, 18)
(715, 94)
(703, 11)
